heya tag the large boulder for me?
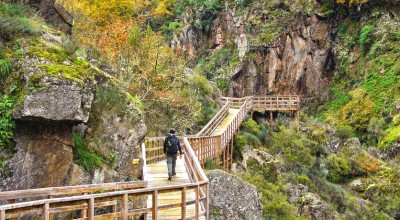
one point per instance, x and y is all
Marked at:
(43, 158)
(56, 100)
(232, 198)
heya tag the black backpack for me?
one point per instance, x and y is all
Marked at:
(172, 144)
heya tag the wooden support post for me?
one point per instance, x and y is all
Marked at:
(124, 207)
(90, 209)
(208, 201)
(230, 165)
(271, 118)
(154, 208)
(183, 200)
(45, 212)
(114, 208)
(197, 203)
(11, 201)
(223, 159)
(2, 215)
(51, 215)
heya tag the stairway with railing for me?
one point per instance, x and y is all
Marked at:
(186, 197)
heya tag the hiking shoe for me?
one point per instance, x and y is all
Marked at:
(169, 177)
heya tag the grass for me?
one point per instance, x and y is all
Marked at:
(5, 69)
(15, 21)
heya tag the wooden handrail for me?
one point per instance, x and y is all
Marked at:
(70, 190)
(214, 122)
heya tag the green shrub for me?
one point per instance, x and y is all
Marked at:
(274, 199)
(210, 164)
(396, 119)
(344, 131)
(238, 146)
(252, 139)
(110, 99)
(298, 150)
(392, 135)
(83, 156)
(303, 179)
(366, 37)
(375, 128)
(7, 123)
(339, 168)
(251, 126)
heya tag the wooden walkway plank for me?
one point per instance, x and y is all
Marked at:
(226, 122)
(157, 175)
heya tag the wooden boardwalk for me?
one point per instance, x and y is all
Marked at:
(157, 175)
(226, 122)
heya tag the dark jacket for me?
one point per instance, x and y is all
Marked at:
(166, 144)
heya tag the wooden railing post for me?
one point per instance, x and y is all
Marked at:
(124, 207)
(183, 200)
(90, 209)
(2, 215)
(45, 212)
(154, 208)
(197, 207)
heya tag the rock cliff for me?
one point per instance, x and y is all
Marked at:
(296, 60)
(58, 96)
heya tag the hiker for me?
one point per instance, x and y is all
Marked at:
(171, 147)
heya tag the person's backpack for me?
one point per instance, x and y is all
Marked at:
(172, 144)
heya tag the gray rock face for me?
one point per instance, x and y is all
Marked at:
(310, 204)
(57, 100)
(225, 192)
(259, 155)
(115, 134)
(43, 158)
(298, 61)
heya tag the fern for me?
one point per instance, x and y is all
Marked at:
(5, 69)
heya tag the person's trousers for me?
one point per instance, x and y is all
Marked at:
(171, 163)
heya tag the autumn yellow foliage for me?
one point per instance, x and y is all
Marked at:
(352, 2)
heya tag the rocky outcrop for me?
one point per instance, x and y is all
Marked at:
(225, 192)
(57, 94)
(56, 100)
(310, 205)
(43, 158)
(116, 134)
(298, 61)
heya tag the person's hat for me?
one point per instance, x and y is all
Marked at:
(172, 131)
